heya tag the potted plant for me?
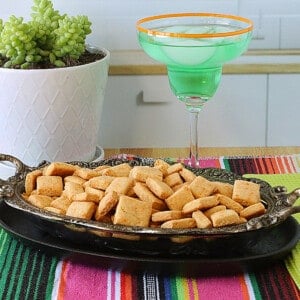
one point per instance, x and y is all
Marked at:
(51, 86)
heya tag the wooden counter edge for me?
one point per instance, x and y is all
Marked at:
(204, 152)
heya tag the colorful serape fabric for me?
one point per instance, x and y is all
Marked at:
(27, 273)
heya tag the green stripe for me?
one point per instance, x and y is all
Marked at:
(173, 288)
(7, 264)
(36, 291)
(5, 242)
(3, 238)
(180, 291)
(31, 276)
(12, 279)
(255, 286)
(226, 164)
(51, 278)
(22, 272)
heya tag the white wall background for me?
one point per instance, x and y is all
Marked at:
(277, 22)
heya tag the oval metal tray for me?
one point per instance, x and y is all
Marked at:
(279, 206)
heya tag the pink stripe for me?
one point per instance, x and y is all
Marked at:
(220, 288)
(84, 281)
(208, 163)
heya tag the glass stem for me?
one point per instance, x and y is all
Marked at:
(194, 146)
(194, 106)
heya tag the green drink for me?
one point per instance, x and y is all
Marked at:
(194, 47)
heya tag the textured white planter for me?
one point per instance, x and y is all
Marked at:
(52, 114)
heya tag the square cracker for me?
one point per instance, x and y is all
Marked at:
(181, 197)
(121, 170)
(201, 187)
(40, 201)
(141, 173)
(30, 181)
(246, 192)
(144, 193)
(59, 169)
(49, 185)
(84, 210)
(62, 203)
(121, 185)
(159, 188)
(132, 212)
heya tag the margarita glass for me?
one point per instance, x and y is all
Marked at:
(194, 47)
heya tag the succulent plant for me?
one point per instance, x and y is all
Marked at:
(49, 39)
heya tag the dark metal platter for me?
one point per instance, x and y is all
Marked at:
(274, 246)
(153, 241)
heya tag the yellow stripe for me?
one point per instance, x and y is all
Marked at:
(195, 289)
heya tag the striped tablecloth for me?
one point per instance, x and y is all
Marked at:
(28, 273)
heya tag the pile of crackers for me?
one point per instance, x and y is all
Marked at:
(163, 195)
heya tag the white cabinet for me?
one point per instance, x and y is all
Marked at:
(141, 111)
(284, 110)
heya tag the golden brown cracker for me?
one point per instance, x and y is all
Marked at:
(59, 169)
(121, 170)
(121, 185)
(85, 173)
(49, 185)
(177, 167)
(132, 212)
(200, 204)
(245, 192)
(201, 187)
(40, 201)
(180, 223)
(214, 209)
(84, 210)
(75, 179)
(143, 192)
(187, 175)
(178, 199)
(62, 203)
(101, 182)
(223, 188)
(159, 188)
(201, 219)
(225, 217)
(141, 173)
(229, 203)
(173, 179)
(107, 203)
(167, 215)
(30, 181)
(72, 188)
(253, 211)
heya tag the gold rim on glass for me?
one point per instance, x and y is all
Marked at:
(139, 25)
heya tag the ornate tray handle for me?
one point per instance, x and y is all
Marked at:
(293, 196)
(7, 189)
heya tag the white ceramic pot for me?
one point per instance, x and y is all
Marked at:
(52, 114)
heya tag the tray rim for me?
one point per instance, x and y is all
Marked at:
(267, 220)
(73, 248)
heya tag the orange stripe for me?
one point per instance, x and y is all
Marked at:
(261, 163)
(62, 282)
(274, 164)
(269, 166)
(126, 287)
(217, 163)
(279, 161)
(287, 165)
(194, 35)
(244, 288)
